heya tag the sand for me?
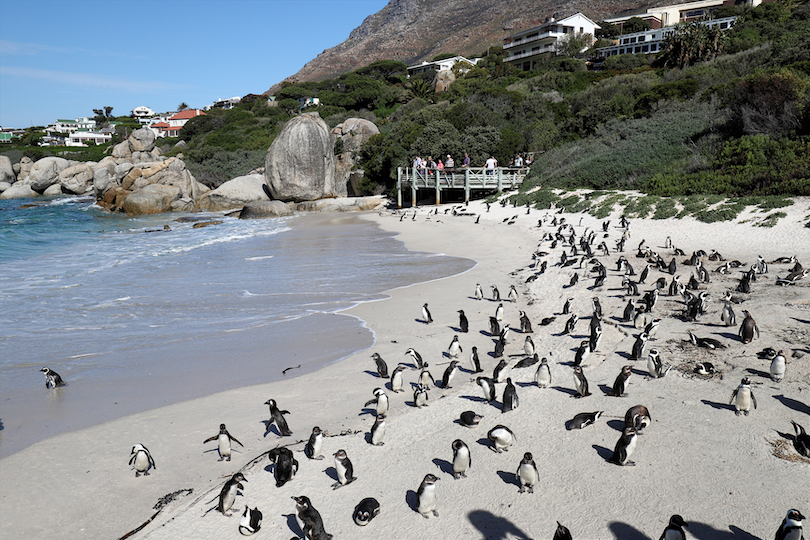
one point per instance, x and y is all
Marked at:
(697, 458)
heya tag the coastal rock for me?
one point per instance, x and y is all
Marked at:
(19, 190)
(25, 168)
(122, 169)
(443, 80)
(344, 204)
(235, 193)
(183, 204)
(45, 172)
(141, 140)
(130, 178)
(7, 170)
(265, 209)
(300, 163)
(354, 132)
(4, 186)
(152, 199)
(121, 150)
(76, 179)
(104, 178)
(54, 190)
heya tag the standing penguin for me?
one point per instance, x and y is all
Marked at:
(791, 526)
(542, 377)
(285, 464)
(596, 336)
(417, 358)
(310, 520)
(229, 491)
(52, 378)
(655, 367)
(425, 378)
(513, 294)
(580, 383)
(223, 439)
(528, 346)
(629, 310)
(475, 361)
(345, 471)
(527, 474)
(501, 437)
(499, 313)
(426, 496)
(496, 294)
(583, 351)
(620, 384)
(449, 373)
(141, 460)
(802, 440)
(638, 346)
(748, 327)
(455, 348)
(567, 306)
(377, 431)
(420, 396)
(571, 324)
(488, 387)
(382, 367)
(624, 447)
(479, 292)
(778, 367)
(461, 459)
(562, 533)
(499, 371)
(314, 446)
(396, 379)
(510, 397)
(525, 323)
(463, 323)
(251, 521)
(426, 318)
(727, 316)
(494, 327)
(365, 511)
(674, 530)
(500, 345)
(743, 397)
(380, 401)
(277, 417)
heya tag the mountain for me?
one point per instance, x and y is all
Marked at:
(414, 30)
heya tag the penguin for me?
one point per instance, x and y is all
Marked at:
(562, 533)
(567, 306)
(488, 387)
(382, 367)
(499, 313)
(637, 417)
(52, 378)
(314, 446)
(417, 358)
(455, 348)
(583, 351)
(496, 294)
(500, 345)
(277, 417)
(510, 397)
(380, 401)
(345, 471)
(501, 437)
(651, 328)
(747, 328)
(644, 273)
(426, 497)
(574, 280)
(365, 511)
(396, 379)
(449, 373)
(499, 371)
(310, 519)
(494, 327)
(463, 323)
(624, 447)
(802, 440)
(528, 361)
(743, 397)
(513, 294)
(469, 419)
(528, 346)
(420, 396)
(527, 474)
(286, 466)
(580, 383)
(727, 316)
(654, 365)
(629, 310)
(251, 521)
(377, 431)
(675, 286)
(708, 343)
(425, 378)
(596, 336)
(141, 460)
(673, 267)
(638, 346)
(525, 323)
(778, 367)
(461, 459)
(571, 324)
(547, 321)
(704, 368)
(475, 361)
(426, 318)
(223, 439)
(479, 292)
(227, 495)
(791, 526)
(583, 420)
(542, 377)
(620, 384)
(597, 308)
(674, 530)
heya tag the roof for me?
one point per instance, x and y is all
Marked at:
(160, 125)
(185, 115)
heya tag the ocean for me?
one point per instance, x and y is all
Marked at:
(135, 317)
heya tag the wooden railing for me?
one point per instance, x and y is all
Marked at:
(466, 178)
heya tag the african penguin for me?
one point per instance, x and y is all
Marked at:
(227, 495)
(141, 460)
(314, 447)
(345, 471)
(285, 464)
(426, 496)
(52, 378)
(223, 439)
(461, 459)
(365, 511)
(277, 418)
(527, 474)
(251, 521)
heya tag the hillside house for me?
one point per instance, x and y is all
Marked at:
(440, 65)
(225, 104)
(663, 16)
(67, 126)
(172, 126)
(529, 47)
(82, 138)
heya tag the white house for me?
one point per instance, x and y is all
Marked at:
(671, 15)
(225, 104)
(651, 41)
(142, 112)
(71, 125)
(439, 65)
(81, 138)
(529, 47)
(171, 127)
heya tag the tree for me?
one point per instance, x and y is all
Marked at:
(102, 116)
(183, 106)
(607, 30)
(574, 43)
(635, 24)
(420, 89)
(691, 43)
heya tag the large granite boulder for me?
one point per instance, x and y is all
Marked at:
(300, 163)
(443, 80)
(19, 190)
(76, 179)
(54, 190)
(151, 199)
(354, 132)
(342, 204)
(121, 151)
(45, 172)
(26, 163)
(235, 193)
(7, 170)
(265, 209)
(104, 176)
(4, 186)
(141, 140)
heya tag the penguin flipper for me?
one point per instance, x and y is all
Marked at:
(284, 412)
(733, 397)
(209, 439)
(234, 439)
(753, 400)
(370, 402)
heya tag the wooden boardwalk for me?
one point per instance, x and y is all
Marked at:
(465, 178)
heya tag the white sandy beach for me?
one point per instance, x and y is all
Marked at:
(697, 458)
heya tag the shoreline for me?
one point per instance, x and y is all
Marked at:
(580, 496)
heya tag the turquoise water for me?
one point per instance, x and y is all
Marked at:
(134, 320)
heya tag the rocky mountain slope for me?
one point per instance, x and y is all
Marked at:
(415, 30)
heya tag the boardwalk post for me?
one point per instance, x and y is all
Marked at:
(438, 190)
(413, 188)
(467, 185)
(399, 187)
(500, 180)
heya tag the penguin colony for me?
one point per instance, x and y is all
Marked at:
(640, 316)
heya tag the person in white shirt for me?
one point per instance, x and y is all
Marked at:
(491, 164)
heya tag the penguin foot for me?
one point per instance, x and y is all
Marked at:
(425, 516)
(337, 485)
(630, 464)
(746, 413)
(436, 513)
(522, 489)
(379, 444)
(738, 413)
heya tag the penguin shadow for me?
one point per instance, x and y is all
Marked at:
(483, 441)
(729, 336)
(270, 467)
(292, 523)
(456, 329)
(758, 373)
(368, 410)
(719, 406)
(485, 333)
(618, 425)
(791, 403)
(604, 453)
(639, 372)
(569, 391)
(703, 531)
(476, 399)
(525, 384)
(607, 390)
(494, 527)
(412, 500)
(509, 478)
(628, 532)
(270, 427)
(444, 466)
(423, 321)
(624, 354)
(331, 472)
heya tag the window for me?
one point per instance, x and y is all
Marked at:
(723, 26)
(645, 48)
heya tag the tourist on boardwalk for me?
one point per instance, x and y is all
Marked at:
(466, 162)
(491, 164)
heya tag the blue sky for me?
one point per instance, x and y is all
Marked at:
(64, 58)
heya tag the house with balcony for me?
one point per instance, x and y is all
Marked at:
(82, 138)
(67, 126)
(663, 16)
(529, 47)
(171, 127)
(225, 104)
(440, 65)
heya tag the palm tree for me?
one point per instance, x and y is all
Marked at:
(420, 88)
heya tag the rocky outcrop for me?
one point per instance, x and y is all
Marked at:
(19, 190)
(152, 199)
(300, 162)
(443, 80)
(45, 172)
(235, 193)
(7, 171)
(344, 204)
(265, 209)
(353, 132)
(76, 179)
